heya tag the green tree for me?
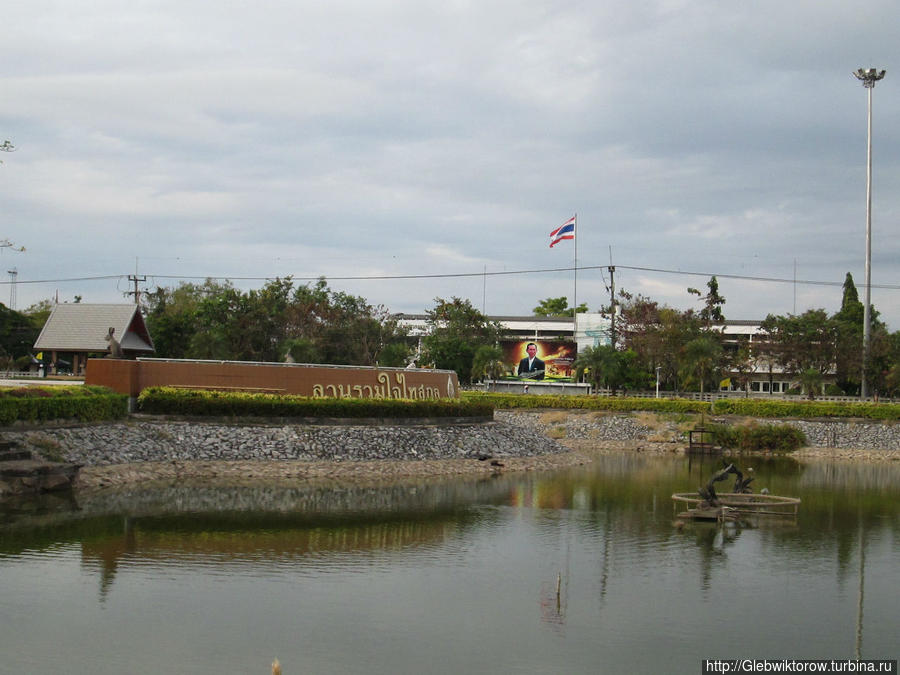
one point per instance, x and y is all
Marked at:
(802, 342)
(172, 316)
(17, 333)
(394, 355)
(488, 363)
(606, 366)
(558, 307)
(657, 335)
(455, 331)
(344, 328)
(309, 324)
(39, 312)
(711, 313)
(849, 339)
(703, 360)
(811, 381)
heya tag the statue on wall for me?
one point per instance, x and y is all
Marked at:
(115, 349)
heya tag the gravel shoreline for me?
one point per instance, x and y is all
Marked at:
(147, 450)
(580, 453)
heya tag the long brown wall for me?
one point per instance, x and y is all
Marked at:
(131, 377)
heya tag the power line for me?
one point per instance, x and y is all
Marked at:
(56, 281)
(658, 270)
(457, 275)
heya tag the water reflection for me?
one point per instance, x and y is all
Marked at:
(545, 562)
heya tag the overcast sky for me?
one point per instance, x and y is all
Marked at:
(374, 139)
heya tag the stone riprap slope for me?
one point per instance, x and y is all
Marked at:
(512, 436)
(166, 441)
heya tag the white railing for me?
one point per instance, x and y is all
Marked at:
(16, 374)
(517, 387)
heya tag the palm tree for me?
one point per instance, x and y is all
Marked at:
(702, 356)
(604, 365)
(811, 380)
(488, 363)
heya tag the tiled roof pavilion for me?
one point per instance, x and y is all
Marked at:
(81, 329)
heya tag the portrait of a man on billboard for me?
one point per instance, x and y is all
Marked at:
(531, 367)
(533, 360)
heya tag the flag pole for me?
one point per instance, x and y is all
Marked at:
(575, 290)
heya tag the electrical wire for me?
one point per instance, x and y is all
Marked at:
(457, 275)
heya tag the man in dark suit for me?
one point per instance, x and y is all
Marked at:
(531, 366)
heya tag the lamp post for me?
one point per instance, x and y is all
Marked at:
(868, 77)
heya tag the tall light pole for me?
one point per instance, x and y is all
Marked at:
(868, 77)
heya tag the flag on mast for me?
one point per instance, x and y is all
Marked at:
(564, 231)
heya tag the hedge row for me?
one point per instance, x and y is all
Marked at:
(35, 404)
(752, 407)
(756, 437)
(748, 407)
(171, 401)
(612, 403)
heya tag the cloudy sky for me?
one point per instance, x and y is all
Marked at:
(365, 140)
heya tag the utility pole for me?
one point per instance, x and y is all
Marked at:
(137, 291)
(612, 306)
(868, 77)
(135, 279)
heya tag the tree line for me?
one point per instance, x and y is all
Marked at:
(312, 323)
(692, 352)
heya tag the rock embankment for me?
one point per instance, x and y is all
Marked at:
(167, 441)
(661, 434)
(151, 448)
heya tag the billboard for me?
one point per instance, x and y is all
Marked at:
(558, 358)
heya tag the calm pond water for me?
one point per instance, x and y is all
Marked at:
(574, 572)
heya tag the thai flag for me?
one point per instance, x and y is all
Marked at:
(564, 231)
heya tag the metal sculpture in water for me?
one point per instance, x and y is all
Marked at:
(741, 486)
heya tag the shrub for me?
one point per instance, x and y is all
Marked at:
(751, 407)
(612, 403)
(755, 437)
(38, 404)
(171, 401)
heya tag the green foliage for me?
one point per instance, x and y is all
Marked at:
(802, 342)
(394, 355)
(190, 402)
(811, 379)
(456, 330)
(609, 367)
(703, 360)
(712, 303)
(488, 363)
(17, 333)
(658, 336)
(558, 307)
(752, 407)
(614, 403)
(757, 437)
(38, 404)
(310, 323)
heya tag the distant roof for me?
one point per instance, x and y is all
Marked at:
(80, 327)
